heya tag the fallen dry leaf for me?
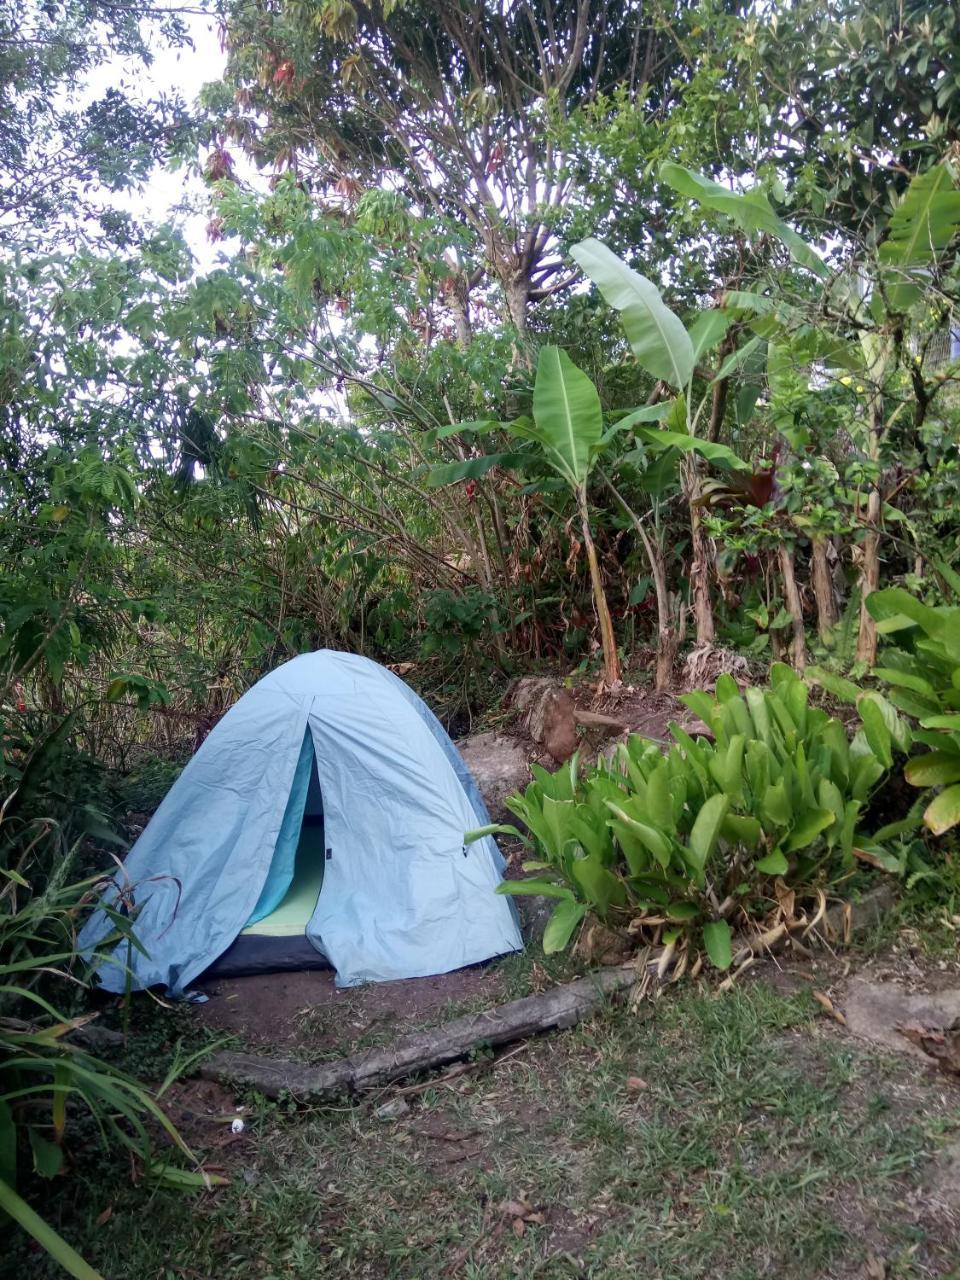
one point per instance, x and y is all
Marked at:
(105, 1217)
(521, 1212)
(465, 1153)
(941, 1043)
(869, 858)
(516, 1208)
(876, 1268)
(787, 900)
(828, 1006)
(636, 1084)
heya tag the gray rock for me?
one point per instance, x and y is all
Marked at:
(534, 911)
(500, 765)
(874, 1010)
(393, 1109)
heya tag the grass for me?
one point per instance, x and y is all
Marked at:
(759, 1143)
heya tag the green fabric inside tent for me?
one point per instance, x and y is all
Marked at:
(298, 904)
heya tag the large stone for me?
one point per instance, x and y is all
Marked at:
(535, 912)
(874, 1010)
(500, 765)
(548, 714)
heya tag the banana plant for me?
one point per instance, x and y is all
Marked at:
(669, 352)
(568, 426)
(567, 429)
(873, 299)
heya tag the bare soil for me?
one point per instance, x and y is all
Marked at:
(305, 1014)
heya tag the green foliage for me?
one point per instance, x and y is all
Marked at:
(922, 226)
(567, 419)
(659, 341)
(750, 211)
(697, 837)
(47, 1079)
(142, 789)
(457, 623)
(921, 668)
(62, 149)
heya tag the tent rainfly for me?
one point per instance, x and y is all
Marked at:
(321, 822)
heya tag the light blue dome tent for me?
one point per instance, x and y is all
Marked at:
(322, 819)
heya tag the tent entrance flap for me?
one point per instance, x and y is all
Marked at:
(292, 913)
(275, 938)
(283, 863)
(278, 942)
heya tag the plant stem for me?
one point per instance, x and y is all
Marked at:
(611, 663)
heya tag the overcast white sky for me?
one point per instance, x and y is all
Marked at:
(185, 71)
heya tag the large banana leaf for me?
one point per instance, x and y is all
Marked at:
(718, 454)
(660, 342)
(473, 468)
(922, 226)
(751, 211)
(568, 420)
(54, 1244)
(708, 329)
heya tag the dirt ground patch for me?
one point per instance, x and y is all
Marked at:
(206, 1115)
(646, 712)
(877, 997)
(305, 1014)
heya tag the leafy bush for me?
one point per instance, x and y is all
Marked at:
(922, 670)
(701, 836)
(142, 789)
(457, 622)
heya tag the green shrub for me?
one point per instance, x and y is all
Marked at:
(921, 668)
(699, 836)
(142, 789)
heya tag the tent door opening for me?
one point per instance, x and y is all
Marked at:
(275, 938)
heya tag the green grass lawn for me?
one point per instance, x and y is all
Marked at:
(733, 1137)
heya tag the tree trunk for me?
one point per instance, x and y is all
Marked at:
(516, 292)
(669, 640)
(458, 300)
(821, 580)
(611, 663)
(870, 549)
(669, 637)
(669, 630)
(798, 645)
(869, 581)
(701, 558)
